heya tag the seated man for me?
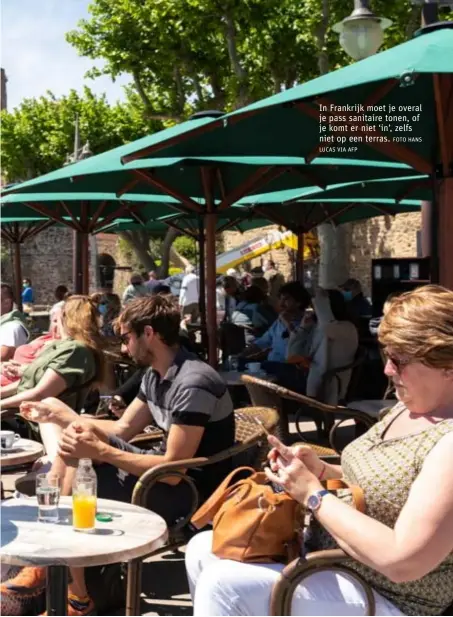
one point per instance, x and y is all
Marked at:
(13, 332)
(294, 299)
(184, 396)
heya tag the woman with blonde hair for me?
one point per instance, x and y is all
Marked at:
(403, 545)
(66, 369)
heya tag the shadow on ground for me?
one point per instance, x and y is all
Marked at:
(164, 588)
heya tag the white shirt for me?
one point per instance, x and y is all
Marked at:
(13, 334)
(189, 293)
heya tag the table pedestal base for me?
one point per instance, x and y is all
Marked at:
(57, 590)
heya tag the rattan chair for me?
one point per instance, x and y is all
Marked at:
(270, 394)
(295, 572)
(250, 437)
(301, 568)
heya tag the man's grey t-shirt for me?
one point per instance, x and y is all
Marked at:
(192, 393)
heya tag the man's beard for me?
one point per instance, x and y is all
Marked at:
(144, 357)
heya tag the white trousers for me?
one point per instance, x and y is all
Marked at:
(225, 587)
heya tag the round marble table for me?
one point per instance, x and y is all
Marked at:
(133, 532)
(24, 451)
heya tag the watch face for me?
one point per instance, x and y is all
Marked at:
(313, 502)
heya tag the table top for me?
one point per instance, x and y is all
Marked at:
(133, 532)
(233, 378)
(24, 451)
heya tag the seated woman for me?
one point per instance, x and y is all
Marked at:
(324, 341)
(403, 546)
(252, 313)
(66, 368)
(25, 354)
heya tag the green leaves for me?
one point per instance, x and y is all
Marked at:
(39, 134)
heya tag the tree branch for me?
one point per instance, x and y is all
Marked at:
(141, 92)
(239, 71)
(320, 35)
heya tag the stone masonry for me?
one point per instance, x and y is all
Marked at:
(47, 258)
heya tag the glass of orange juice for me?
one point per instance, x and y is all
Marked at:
(84, 507)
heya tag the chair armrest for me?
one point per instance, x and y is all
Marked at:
(153, 436)
(176, 469)
(299, 569)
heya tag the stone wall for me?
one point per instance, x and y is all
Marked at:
(47, 258)
(383, 236)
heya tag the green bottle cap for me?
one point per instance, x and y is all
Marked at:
(104, 517)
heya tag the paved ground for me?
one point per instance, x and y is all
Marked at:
(165, 590)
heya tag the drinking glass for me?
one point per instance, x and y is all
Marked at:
(48, 495)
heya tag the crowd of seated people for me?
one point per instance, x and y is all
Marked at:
(401, 546)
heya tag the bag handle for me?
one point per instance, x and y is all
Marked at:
(207, 511)
(357, 493)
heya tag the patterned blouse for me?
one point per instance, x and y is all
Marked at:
(386, 470)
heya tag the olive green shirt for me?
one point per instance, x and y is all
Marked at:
(72, 360)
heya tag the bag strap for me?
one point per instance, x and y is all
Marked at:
(357, 493)
(207, 511)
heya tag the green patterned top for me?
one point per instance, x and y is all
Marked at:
(386, 470)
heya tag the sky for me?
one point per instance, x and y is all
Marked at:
(36, 56)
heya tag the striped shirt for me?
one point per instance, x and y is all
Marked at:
(192, 393)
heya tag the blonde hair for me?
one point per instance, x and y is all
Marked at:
(419, 324)
(80, 322)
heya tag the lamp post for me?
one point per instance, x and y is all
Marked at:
(362, 33)
(79, 242)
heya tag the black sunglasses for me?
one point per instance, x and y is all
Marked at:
(398, 363)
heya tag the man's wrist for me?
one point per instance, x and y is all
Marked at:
(105, 451)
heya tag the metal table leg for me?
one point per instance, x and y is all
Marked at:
(57, 590)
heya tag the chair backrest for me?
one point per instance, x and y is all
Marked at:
(260, 389)
(232, 339)
(249, 429)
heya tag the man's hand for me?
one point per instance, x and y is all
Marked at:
(117, 405)
(49, 410)
(82, 440)
(291, 473)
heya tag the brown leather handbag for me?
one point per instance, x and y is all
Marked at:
(254, 524)
(251, 522)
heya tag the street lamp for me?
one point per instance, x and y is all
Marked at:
(79, 154)
(362, 33)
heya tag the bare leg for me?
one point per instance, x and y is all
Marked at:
(50, 434)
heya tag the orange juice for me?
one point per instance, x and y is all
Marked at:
(83, 512)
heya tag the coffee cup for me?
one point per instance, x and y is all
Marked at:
(8, 439)
(254, 367)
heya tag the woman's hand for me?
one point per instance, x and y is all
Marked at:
(12, 370)
(290, 472)
(304, 453)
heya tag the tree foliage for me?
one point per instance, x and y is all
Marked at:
(39, 134)
(188, 55)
